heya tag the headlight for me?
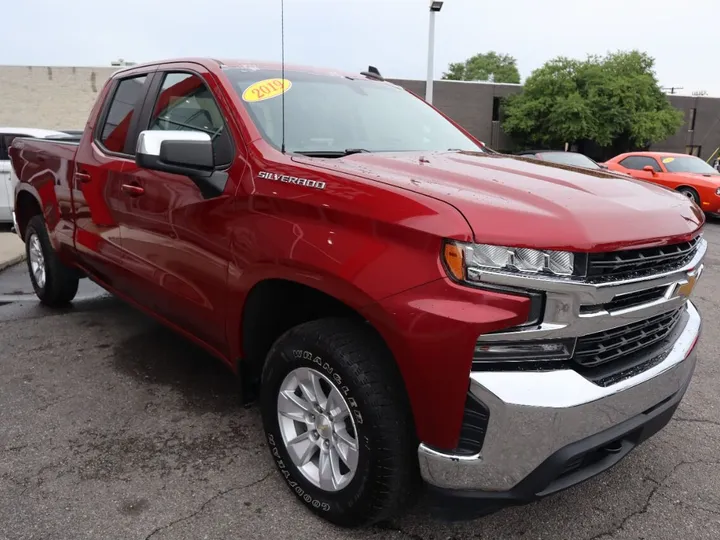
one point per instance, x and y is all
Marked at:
(717, 191)
(466, 262)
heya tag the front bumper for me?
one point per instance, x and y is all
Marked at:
(710, 202)
(540, 423)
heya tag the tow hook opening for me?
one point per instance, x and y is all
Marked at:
(614, 447)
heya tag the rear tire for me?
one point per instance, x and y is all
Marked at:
(354, 370)
(54, 283)
(691, 194)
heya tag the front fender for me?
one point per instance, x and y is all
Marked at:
(240, 283)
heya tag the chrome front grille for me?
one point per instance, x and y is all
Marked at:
(607, 327)
(628, 300)
(596, 349)
(629, 263)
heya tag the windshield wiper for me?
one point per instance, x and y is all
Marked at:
(333, 153)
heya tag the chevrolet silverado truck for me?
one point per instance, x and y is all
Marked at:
(409, 309)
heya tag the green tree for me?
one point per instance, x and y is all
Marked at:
(491, 66)
(614, 101)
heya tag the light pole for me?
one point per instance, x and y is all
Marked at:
(435, 7)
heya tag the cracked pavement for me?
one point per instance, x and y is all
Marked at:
(113, 427)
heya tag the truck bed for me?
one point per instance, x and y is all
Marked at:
(45, 168)
(46, 155)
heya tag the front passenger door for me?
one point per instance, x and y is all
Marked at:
(635, 164)
(174, 235)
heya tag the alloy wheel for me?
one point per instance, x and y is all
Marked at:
(37, 261)
(318, 429)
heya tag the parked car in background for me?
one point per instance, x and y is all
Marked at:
(573, 159)
(7, 135)
(689, 175)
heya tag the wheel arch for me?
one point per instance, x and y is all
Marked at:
(276, 304)
(688, 187)
(27, 205)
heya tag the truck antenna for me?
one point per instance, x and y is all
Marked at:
(282, 69)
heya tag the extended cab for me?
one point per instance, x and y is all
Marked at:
(406, 304)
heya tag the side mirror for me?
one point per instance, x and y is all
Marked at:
(188, 153)
(650, 169)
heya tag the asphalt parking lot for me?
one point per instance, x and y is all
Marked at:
(113, 427)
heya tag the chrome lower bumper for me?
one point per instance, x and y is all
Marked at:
(535, 414)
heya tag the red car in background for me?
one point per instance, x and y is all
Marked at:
(689, 175)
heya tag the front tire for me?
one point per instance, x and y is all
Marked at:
(338, 422)
(54, 283)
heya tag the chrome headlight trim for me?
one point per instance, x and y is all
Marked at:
(480, 258)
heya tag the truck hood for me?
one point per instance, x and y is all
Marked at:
(511, 200)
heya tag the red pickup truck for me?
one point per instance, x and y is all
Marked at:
(405, 304)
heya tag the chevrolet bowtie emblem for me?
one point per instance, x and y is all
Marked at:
(685, 288)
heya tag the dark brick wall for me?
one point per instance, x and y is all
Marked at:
(471, 105)
(706, 132)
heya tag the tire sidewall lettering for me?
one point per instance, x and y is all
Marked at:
(353, 360)
(294, 486)
(335, 377)
(301, 356)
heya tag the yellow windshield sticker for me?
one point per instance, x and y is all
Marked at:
(269, 88)
(668, 160)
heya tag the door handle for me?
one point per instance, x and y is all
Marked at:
(133, 189)
(82, 178)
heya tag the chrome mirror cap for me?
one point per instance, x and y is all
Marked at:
(150, 141)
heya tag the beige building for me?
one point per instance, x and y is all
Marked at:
(49, 97)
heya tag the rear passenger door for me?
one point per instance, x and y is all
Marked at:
(105, 153)
(175, 238)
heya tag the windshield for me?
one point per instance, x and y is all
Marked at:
(689, 164)
(326, 113)
(570, 158)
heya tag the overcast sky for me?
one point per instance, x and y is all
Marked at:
(684, 37)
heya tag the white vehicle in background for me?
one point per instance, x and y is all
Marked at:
(7, 134)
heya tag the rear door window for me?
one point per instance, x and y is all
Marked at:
(124, 101)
